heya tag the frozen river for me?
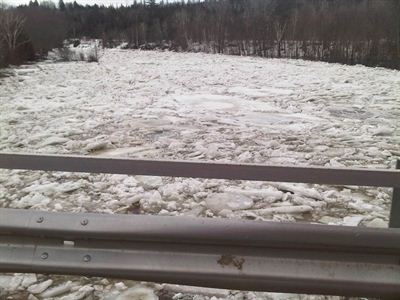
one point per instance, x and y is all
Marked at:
(169, 105)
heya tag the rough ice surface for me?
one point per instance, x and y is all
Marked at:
(38, 288)
(231, 201)
(187, 106)
(57, 290)
(137, 293)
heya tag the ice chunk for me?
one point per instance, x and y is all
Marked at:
(68, 187)
(177, 296)
(53, 141)
(361, 206)
(195, 212)
(219, 201)
(81, 293)
(120, 286)
(138, 292)
(5, 281)
(151, 201)
(170, 191)
(299, 190)
(31, 200)
(57, 290)
(267, 194)
(130, 182)
(192, 290)
(352, 220)
(329, 220)
(45, 189)
(15, 282)
(284, 210)
(307, 201)
(378, 223)
(383, 131)
(40, 287)
(149, 182)
(95, 146)
(28, 280)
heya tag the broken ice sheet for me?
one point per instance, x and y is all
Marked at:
(263, 111)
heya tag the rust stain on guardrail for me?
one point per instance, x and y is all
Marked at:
(231, 260)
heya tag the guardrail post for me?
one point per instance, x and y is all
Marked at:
(394, 221)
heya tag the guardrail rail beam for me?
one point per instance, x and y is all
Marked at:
(231, 254)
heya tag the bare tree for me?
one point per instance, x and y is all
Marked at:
(11, 30)
(345, 31)
(280, 29)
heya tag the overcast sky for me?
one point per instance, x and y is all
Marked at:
(84, 2)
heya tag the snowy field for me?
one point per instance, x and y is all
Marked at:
(195, 107)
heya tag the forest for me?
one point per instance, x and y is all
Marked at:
(345, 31)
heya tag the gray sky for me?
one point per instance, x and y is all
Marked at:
(83, 2)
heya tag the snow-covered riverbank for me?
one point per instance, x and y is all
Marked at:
(199, 107)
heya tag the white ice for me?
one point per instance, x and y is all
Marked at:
(187, 106)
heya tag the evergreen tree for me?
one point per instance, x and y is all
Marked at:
(61, 5)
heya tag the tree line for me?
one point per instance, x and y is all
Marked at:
(345, 31)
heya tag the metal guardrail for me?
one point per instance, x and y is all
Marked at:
(394, 219)
(129, 166)
(234, 254)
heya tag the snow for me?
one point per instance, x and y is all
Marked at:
(194, 106)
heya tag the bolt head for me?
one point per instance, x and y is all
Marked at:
(44, 255)
(39, 220)
(84, 222)
(87, 258)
